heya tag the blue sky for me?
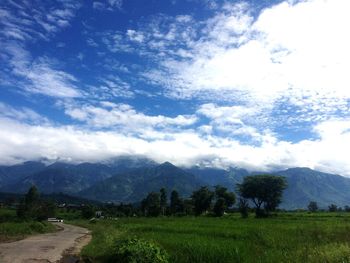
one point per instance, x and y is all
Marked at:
(255, 84)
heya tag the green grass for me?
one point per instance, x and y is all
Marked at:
(11, 228)
(10, 231)
(289, 237)
(7, 215)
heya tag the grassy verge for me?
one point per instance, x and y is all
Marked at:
(323, 237)
(11, 228)
(11, 231)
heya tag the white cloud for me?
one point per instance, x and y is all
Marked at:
(21, 142)
(109, 5)
(39, 75)
(50, 82)
(135, 36)
(111, 87)
(233, 120)
(292, 52)
(125, 118)
(24, 21)
(23, 114)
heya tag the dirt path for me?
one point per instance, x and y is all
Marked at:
(48, 248)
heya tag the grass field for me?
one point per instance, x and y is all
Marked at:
(289, 237)
(12, 229)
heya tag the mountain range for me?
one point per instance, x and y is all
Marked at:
(130, 179)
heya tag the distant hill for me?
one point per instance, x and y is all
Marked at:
(129, 179)
(15, 173)
(305, 185)
(64, 177)
(134, 185)
(214, 176)
(61, 177)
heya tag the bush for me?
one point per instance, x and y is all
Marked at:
(139, 251)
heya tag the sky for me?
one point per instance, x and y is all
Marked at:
(262, 85)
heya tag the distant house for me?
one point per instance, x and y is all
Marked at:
(98, 214)
(61, 205)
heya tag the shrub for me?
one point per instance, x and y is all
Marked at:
(92, 221)
(139, 251)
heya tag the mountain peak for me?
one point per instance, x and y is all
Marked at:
(167, 164)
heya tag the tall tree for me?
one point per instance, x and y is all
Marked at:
(243, 207)
(151, 204)
(32, 207)
(224, 199)
(333, 208)
(163, 200)
(313, 207)
(32, 196)
(265, 191)
(202, 199)
(28, 208)
(176, 203)
(219, 207)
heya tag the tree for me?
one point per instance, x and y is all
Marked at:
(313, 207)
(32, 196)
(347, 208)
(87, 212)
(151, 204)
(47, 209)
(243, 207)
(163, 200)
(188, 206)
(219, 207)
(332, 208)
(224, 199)
(202, 199)
(28, 208)
(176, 203)
(265, 191)
(32, 207)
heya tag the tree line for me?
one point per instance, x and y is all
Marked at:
(262, 191)
(201, 201)
(313, 207)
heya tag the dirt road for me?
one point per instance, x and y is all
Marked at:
(46, 248)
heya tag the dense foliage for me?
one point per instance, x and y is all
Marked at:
(265, 191)
(32, 207)
(134, 250)
(312, 207)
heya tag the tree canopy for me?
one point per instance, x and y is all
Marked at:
(32, 207)
(265, 191)
(151, 204)
(224, 199)
(313, 207)
(202, 199)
